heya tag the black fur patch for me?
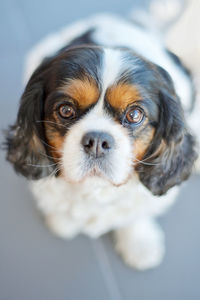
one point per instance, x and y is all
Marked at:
(84, 39)
(26, 144)
(172, 163)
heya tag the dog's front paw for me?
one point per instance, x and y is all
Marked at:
(61, 226)
(141, 245)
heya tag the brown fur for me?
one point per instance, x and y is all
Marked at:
(84, 91)
(55, 141)
(121, 95)
(142, 143)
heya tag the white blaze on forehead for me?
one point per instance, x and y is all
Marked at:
(112, 67)
(118, 164)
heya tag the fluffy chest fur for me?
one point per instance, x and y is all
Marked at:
(95, 206)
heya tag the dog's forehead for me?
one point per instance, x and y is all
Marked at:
(107, 78)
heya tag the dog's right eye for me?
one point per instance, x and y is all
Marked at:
(66, 111)
(135, 115)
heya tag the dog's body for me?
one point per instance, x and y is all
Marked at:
(127, 202)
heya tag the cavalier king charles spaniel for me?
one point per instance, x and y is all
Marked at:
(101, 133)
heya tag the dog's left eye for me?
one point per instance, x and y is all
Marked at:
(135, 115)
(66, 111)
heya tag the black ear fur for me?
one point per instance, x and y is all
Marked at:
(170, 158)
(24, 140)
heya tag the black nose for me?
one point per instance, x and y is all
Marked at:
(97, 143)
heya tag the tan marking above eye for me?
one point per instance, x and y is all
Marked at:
(121, 95)
(84, 91)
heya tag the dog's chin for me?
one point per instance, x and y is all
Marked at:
(95, 173)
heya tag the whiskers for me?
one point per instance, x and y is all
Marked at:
(56, 167)
(52, 123)
(147, 163)
(47, 156)
(42, 166)
(53, 149)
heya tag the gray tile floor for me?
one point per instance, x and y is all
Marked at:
(33, 263)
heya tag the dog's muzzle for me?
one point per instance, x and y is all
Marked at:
(97, 146)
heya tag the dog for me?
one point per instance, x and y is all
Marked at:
(101, 133)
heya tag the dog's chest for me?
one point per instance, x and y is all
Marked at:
(95, 206)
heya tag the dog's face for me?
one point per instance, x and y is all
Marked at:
(91, 111)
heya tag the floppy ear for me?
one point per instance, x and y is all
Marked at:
(24, 140)
(170, 158)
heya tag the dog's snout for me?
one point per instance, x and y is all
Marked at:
(97, 144)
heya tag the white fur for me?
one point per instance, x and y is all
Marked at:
(112, 66)
(94, 205)
(142, 244)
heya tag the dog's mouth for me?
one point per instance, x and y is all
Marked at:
(100, 169)
(95, 172)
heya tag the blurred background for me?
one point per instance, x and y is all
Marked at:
(33, 263)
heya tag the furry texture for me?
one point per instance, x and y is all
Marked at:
(135, 92)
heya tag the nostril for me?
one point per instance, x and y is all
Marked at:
(105, 145)
(90, 143)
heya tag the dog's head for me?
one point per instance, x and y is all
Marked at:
(91, 111)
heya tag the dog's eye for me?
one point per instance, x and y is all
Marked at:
(135, 115)
(66, 111)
